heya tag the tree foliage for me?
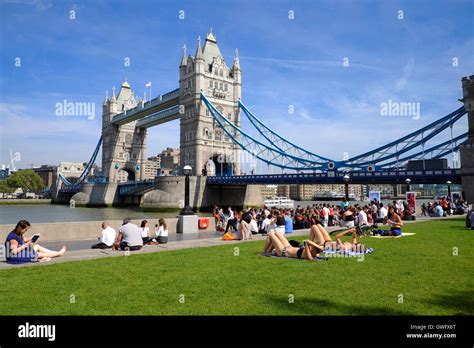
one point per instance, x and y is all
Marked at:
(27, 180)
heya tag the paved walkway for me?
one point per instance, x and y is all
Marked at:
(80, 250)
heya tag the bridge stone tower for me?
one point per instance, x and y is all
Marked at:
(123, 147)
(467, 150)
(201, 138)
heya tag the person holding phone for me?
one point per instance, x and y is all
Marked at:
(161, 231)
(22, 249)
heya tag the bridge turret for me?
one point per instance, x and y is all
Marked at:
(467, 149)
(201, 137)
(113, 102)
(468, 100)
(199, 57)
(184, 61)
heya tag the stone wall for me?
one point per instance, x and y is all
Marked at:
(169, 193)
(83, 229)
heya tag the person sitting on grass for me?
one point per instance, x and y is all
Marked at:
(321, 237)
(161, 232)
(245, 227)
(394, 221)
(276, 240)
(21, 249)
(129, 237)
(348, 218)
(106, 240)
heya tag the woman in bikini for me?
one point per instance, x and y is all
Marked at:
(394, 221)
(321, 237)
(276, 240)
(348, 218)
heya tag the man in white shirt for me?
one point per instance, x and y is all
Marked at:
(326, 215)
(231, 221)
(362, 217)
(106, 240)
(265, 224)
(383, 212)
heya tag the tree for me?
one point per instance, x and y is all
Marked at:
(27, 180)
(4, 188)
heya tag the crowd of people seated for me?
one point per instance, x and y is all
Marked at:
(251, 221)
(21, 249)
(445, 207)
(265, 219)
(130, 236)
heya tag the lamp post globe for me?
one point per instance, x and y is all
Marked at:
(408, 181)
(449, 188)
(187, 171)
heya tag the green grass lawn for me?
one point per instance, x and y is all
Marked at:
(422, 269)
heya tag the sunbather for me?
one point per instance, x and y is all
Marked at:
(321, 237)
(277, 241)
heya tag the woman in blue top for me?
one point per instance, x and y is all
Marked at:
(20, 249)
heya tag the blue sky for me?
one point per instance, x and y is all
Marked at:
(284, 62)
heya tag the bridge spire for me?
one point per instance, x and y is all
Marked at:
(184, 59)
(106, 97)
(199, 55)
(211, 37)
(236, 60)
(113, 99)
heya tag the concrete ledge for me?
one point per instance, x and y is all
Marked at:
(84, 229)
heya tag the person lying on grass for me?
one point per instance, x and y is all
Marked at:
(321, 237)
(21, 249)
(277, 241)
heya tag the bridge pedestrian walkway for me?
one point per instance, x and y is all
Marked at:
(82, 251)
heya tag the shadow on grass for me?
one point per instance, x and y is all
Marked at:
(460, 301)
(314, 306)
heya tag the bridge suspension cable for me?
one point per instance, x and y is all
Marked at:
(281, 143)
(371, 158)
(406, 143)
(258, 149)
(86, 170)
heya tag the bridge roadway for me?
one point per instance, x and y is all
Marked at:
(331, 177)
(159, 106)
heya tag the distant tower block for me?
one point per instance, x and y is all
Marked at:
(124, 147)
(201, 138)
(467, 150)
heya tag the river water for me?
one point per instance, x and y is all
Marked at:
(37, 213)
(40, 213)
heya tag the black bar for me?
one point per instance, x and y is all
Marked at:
(334, 330)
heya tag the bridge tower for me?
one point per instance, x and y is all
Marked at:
(467, 150)
(201, 138)
(123, 147)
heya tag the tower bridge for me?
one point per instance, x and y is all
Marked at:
(208, 104)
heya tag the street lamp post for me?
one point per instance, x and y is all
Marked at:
(449, 188)
(187, 171)
(346, 179)
(408, 181)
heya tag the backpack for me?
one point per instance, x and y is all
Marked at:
(228, 236)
